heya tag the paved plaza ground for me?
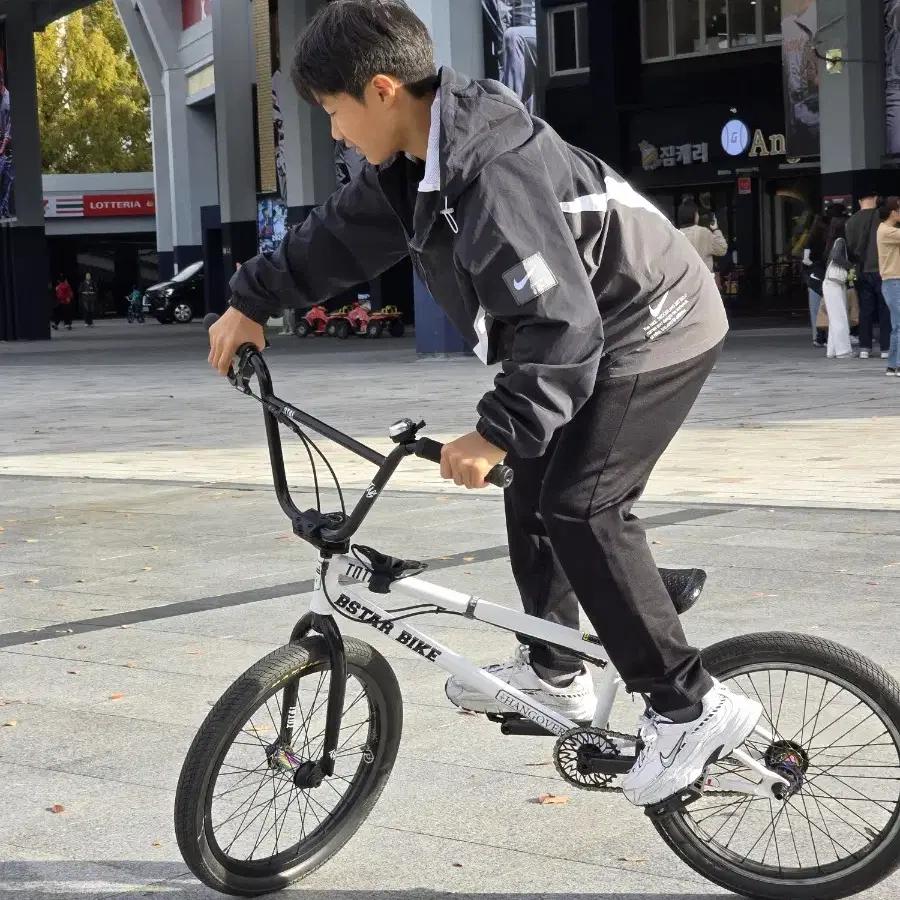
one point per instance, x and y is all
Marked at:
(143, 554)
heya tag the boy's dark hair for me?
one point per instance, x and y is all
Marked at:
(892, 204)
(349, 42)
(687, 214)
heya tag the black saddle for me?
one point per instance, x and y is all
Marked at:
(684, 586)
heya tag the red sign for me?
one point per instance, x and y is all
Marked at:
(194, 11)
(102, 205)
(745, 186)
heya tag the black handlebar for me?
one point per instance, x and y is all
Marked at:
(500, 476)
(312, 525)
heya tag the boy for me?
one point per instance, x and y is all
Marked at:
(604, 318)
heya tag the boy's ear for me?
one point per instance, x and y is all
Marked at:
(385, 87)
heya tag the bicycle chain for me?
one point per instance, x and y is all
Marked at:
(609, 788)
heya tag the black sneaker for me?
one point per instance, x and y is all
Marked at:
(890, 371)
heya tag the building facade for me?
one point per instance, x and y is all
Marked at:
(733, 104)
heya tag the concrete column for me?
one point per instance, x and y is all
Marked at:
(162, 190)
(232, 48)
(307, 131)
(456, 28)
(851, 103)
(25, 303)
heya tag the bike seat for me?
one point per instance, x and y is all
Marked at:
(684, 586)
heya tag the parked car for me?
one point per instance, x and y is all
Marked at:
(179, 299)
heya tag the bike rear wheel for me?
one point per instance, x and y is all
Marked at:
(243, 825)
(835, 717)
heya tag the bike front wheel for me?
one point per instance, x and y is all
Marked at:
(243, 825)
(835, 720)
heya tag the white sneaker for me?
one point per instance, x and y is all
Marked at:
(863, 354)
(674, 756)
(885, 354)
(575, 701)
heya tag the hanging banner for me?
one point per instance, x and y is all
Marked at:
(7, 199)
(801, 77)
(892, 73)
(510, 46)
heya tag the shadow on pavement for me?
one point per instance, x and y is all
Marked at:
(133, 879)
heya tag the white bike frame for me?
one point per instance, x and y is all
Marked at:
(331, 596)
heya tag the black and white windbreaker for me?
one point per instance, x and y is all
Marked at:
(545, 259)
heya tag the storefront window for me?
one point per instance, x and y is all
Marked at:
(771, 20)
(656, 29)
(716, 25)
(686, 14)
(742, 22)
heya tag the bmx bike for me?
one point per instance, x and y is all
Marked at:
(292, 758)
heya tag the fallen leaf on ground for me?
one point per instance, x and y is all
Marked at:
(56, 808)
(152, 548)
(73, 672)
(31, 540)
(148, 569)
(466, 712)
(131, 664)
(98, 608)
(32, 581)
(10, 724)
(457, 865)
(547, 799)
(156, 844)
(116, 696)
(633, 859)
(82, 646)
(260, 729)
(126, 626)
(468, 559)
(79, 581)
(467, 573)
(658, 543)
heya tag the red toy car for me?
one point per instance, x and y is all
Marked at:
(359, 319)
(314, 322)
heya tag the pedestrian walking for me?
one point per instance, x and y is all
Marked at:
(863, 253)
(63, 309)
(87, 295)
(814, 263)
(834, 291)
(889, 268)
(708, 242)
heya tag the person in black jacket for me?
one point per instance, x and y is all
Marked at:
(862, 243)
(603, 318)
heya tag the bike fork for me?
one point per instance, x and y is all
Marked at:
(330, 633)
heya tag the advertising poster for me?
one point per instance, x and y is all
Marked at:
(892, 73)
(271, 223)
(510, 39)
(801, 77)
(7, 204)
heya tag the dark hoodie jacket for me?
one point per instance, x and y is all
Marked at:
(543, 257)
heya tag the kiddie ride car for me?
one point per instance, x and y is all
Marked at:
(355, 319)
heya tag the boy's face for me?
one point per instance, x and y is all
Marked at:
(371, 126)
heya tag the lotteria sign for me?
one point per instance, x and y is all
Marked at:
(103, 205)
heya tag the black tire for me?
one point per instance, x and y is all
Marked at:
(163, 320)
(374, 329)
(262, 682)
(397, 329)
(302, 329)
(331, 329)
(795, 655)
(342, 330)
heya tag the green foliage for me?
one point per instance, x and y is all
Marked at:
(93, 108)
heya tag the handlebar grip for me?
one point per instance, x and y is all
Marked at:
(500, 476)
(209, 320)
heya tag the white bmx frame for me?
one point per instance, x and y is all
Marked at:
(331, 595)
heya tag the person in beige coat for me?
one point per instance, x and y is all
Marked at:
(708, 242)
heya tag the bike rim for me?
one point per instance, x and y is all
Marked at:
(256, 818)
(848, 807)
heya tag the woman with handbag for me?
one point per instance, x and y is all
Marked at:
(814, 260)
(834, 291)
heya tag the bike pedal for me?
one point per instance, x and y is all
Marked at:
(674, 804)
